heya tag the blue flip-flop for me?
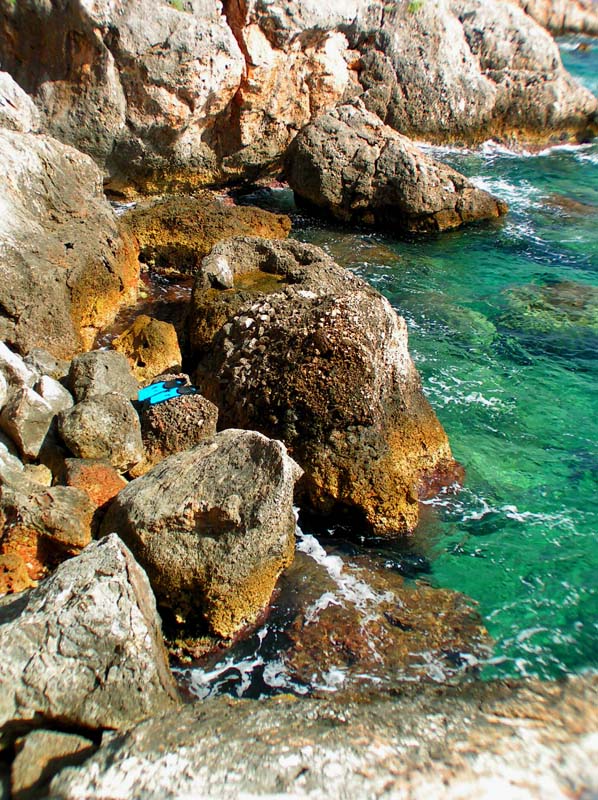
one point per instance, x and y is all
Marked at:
(158, 388)
(169, 394)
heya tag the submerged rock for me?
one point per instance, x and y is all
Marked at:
(151, 347)
(84, 649)
(213, 527)
(351, 165)
(306, 352)
(526, 741)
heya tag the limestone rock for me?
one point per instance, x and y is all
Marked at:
(38, 473)
(26, 418)
(83, 649)
(64, 267)
(17, 109)
(44, 363)
(528, 741)
(3, 391)
(354, 167)
(15, 370)
(101, 372)
(42, 525)
(174, 426)
(175, 233)
(306, 352)
(151, 347)
(213, 526)
(563, 16)
(54, 393)
(103, 426)
(40, 755)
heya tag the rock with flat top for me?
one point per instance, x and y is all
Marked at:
(101, 372)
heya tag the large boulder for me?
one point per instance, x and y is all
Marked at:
(564, 16)
(64, 267)
(17, 109)
(307, 352)
(213, 527)
(520, 741)
(150, 345)
(101, 372)
(348, 163)
(84, 649)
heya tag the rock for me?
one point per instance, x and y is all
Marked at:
(17, 109)
(151, 347)
(563, 16)
(42, 525)
(40, 755)
(38, 473)
(173, 427)
(14, 576)
(350, 164)
(44, 363)
(84, 649)
(9, 455)
(3, 391)
(528, 741)
(26, 418)
(101, 372)
(306, 352)
(175, 233)
(213, 527)
(17, 373)
(65, 268)
(103, 426)
(98, 479)
(56, 396)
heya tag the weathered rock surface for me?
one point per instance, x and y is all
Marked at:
(40, 755)
(98, 479)
(17, 109)
(213, 527)
(101, 372)
(27, 418)
(15, 370)
(44, 525)
(348, 163)
(83, 649)
(151, 347)
(44, 363)
(103, 426)
(306, 352)
(54, 393)
(526, 741)
(174, 426)
(175, 233)
(564, 16)
(14, 576)
(64, 266)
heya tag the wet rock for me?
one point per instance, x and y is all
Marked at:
(526, 740)
(351, 165)
(151, 347)
(56, 396)
(65, 267)
(84, 648)
(17, 109)
(42, 362)
(308, 353)
(174, 426)
(103, 426)
(563, 16)
(42, 754)
(14, 576)
(98, 479)
(27, 418)
(175, 233)
(42, 525)
(213, 527)
(101, 372)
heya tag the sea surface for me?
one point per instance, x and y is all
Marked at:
(503, 325)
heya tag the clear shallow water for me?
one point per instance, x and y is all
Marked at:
(503, 323)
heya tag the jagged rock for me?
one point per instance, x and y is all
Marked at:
(213, 527)
(27, 418)
(14, 576)
(175, 233)
(83, 649)
(151, 347)
(14, 369)
(40, 755)
(564, 16)
(64, 267)
(174, 426)
(9, 455)
(101, 372)
(103, 427)
(43, 525)
(98, 479)
(44, 363)
(528, 741)
(307, 352)
(3, 391)
(17, 109)
(351, 165)
(54, 393)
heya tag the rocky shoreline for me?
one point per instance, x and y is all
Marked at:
(284, 381)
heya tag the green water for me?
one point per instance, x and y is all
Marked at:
(503, 324)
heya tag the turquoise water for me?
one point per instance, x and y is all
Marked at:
(503, 327)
